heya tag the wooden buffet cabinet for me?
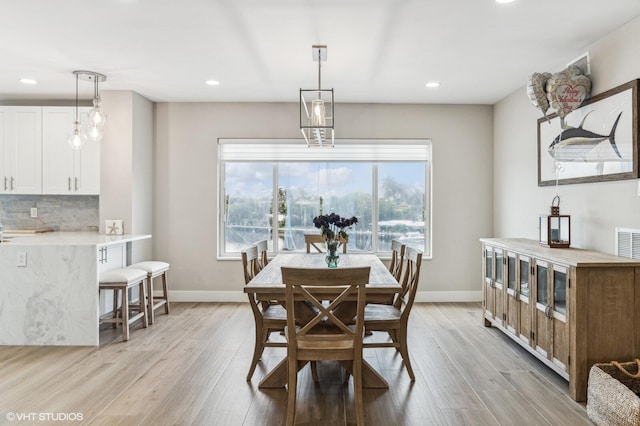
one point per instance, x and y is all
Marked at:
(569, 307)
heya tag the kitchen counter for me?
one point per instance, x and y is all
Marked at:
(49, 286)
(70, 238)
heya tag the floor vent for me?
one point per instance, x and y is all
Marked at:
(628, 243)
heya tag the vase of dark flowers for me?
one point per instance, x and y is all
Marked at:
(334, 230)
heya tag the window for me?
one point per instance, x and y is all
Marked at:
(272, 189)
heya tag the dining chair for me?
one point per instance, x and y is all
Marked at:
(263, 248)
(312, 240)
(324, 336)
(268, 317)
(394, 319)
(397, 259)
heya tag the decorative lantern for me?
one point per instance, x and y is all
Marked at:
(555, 228)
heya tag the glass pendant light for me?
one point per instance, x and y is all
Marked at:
(316, 108)
(77, 139)
(95, 125)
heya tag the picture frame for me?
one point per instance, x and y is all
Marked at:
(583, 151)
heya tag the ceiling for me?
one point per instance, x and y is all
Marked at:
(260, 50)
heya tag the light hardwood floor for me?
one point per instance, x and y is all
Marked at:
(189, 368)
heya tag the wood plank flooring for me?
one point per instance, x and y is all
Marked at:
(189, 368)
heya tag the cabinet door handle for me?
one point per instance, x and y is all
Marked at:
(12, 181)
(76, 183)
(69, 183)
(5, 183)
(547, 312)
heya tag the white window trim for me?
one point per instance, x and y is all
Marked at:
(275, 150)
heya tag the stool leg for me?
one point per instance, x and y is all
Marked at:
(143, 303)
(149, 282)
(165, 289)
(125, 314)
(115, 307)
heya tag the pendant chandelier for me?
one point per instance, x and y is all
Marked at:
(316, 108)
(93, 128)
(78, 138)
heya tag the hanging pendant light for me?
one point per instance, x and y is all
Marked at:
(316, 108)
(94, 127)
(77, 139)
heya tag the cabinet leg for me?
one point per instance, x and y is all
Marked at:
(486, 322)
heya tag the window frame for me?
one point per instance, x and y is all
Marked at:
(379, 150)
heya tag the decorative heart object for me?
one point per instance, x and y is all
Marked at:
(567, 89)
(536, 84)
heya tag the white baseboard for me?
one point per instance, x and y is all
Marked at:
(238, 296)
(449, 296)
(207, 296)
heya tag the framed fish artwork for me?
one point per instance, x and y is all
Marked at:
(597, 142)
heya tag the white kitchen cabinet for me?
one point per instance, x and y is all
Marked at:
(20, 150)
(64, 170)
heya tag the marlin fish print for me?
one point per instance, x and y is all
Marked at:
(573, 143)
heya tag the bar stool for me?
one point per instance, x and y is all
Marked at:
(120, 281)
(155, 269)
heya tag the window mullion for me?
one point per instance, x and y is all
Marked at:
(374, 216)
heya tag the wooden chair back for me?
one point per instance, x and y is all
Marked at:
(299, 284)
(317, 241)
(397, 259)
(250, 266)
(404, 299)
(263, 248)
(325, 335)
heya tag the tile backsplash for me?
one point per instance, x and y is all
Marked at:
(57, 212)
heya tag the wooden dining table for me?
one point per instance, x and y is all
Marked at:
(267, 286)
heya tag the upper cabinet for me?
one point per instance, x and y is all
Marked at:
(67, 171)
(20, 150)
(35, 157)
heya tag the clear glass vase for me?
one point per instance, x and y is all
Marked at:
(332, 258)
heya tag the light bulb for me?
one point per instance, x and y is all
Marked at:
(77, 140)
(318, 117)
(96, 117)
(94, 133)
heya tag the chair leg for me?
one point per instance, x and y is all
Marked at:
(125, 314)
(292, 387)
(357, 389)
(261, 337)
(149, 284)
(165, 289)
(142, 299)
(115, 307)
(404, 351)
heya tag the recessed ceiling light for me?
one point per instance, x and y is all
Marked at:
(212, 82)
(505, 1)
(432, 84)
(27, 81)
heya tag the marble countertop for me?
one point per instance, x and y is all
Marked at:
(70, 238)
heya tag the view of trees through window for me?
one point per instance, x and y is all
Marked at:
(387, 198)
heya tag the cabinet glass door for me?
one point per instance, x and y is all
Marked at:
(488, 256)
(511, 279)
(560, 291)
(542, 285)
(524, 277)
(498, 258)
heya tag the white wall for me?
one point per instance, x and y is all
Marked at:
(185, 232)
(126, 171)
(595, 208)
